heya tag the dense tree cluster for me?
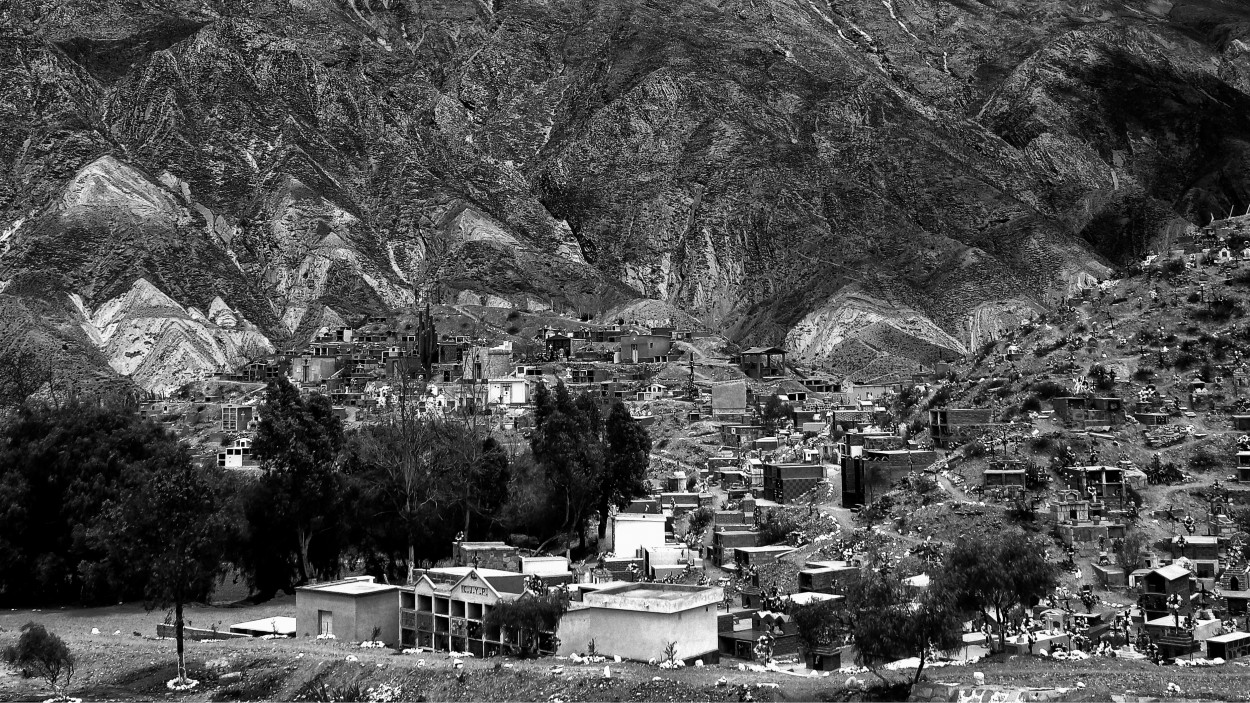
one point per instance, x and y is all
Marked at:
(99, 505)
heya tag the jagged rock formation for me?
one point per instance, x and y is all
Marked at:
(162, 345)
(765, 165)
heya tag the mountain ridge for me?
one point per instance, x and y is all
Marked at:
(753, 163)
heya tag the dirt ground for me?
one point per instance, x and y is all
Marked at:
(129, 667)
(117, 664)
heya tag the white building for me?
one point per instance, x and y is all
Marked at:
(638, 620)
(236, 456)
(507, 391)
(634, 532)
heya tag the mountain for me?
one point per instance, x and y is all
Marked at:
(906, 177)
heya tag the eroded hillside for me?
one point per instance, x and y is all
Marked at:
(765, 165)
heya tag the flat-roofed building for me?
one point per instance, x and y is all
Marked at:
(352, 609)
(638, 620)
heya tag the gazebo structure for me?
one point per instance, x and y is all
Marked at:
(760, 362)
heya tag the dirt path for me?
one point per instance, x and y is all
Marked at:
(955, 492)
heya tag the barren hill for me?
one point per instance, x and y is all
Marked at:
(758, 164)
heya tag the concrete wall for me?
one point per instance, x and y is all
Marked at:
(354, 616)
(632, 634)
(631, 533)
(381, 610)
(197, 634)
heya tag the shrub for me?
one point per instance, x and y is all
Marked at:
(1144, 373)
(1203, 459)
(45, 655)
(1173, 267)
(1042, 445)
(322, 692)
(514, 329)
(820, 624)
(514, 315)
(1033, 403)
(776, 527)
(1194, 298)
(1044, 350)
(1184, 360)
(530, 617)
(940, 397)
(924, 484)
(1220, 311)
(699, 520)
(1045, 390)
(1104, 379)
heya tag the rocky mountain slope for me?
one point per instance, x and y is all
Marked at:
(906, 175)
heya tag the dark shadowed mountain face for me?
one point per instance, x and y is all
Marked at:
(871, 181)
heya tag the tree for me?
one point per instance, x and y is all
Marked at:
(297, 442)
(588, 465)
(625, 471)
(527, 620)
(169, 527)
(697, 522)
(889, 625)
(475, 471)
(1128, 550)
(996, 572)
(394, 463)
(45, 655)
(59, 466)
(775, 410)
(565, 442)
(821, 624)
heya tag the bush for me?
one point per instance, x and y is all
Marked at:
(1173, 267)
(322, 692)
(1033, 403)
(529, 616)
(1220, 311)
(1044, 350)
(1203, 459)
(924, 484)
(45, 655)
(940, 398)
(820, 624)
(699, 521)
(1194, 298)
(776, 527)
(1184, 360)
(1042, 445)
(514, 329)
(514, 315)
(1104, 379)
(1143, 374)
(1045, 390)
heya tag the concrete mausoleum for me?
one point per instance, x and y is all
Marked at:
(633, 532)
(637, 620)
(350, 609)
